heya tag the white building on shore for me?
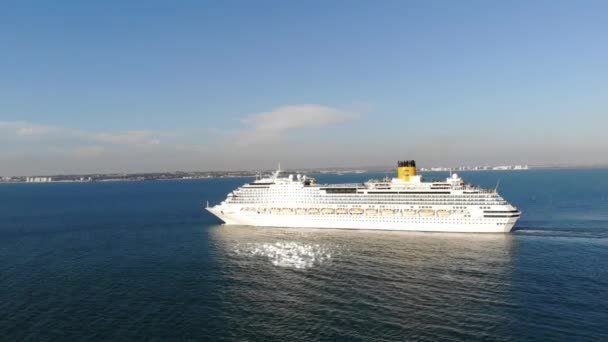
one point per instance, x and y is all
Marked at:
(39, 179)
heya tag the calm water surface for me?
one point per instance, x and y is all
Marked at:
(142, 261)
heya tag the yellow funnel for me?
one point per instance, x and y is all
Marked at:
(406, 169)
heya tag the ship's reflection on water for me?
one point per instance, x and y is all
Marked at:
(363, 284)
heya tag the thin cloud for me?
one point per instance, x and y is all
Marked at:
(25, 129)
(143, 137)
(17, 131)
(33, 140)
(272, 126)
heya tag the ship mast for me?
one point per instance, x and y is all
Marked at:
(277, 172)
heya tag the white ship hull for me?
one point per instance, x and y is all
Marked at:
(403, 203)
(393, 222)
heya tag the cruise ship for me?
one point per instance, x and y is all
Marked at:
(405, 202)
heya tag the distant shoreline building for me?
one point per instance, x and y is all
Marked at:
(38, 179)
(478, 168)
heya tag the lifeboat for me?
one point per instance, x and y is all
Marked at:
(287, 211)
(388, 212)
(341, 211)
(327, 211)
(426, 212)
(356, 211)
(301, 211)
(275, 210)
(410, 212)
(444, 212)
(262, 211)
(313, 211)
(371, 212)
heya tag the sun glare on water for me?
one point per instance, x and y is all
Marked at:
(287, 254)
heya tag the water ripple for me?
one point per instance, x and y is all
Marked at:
(291, 254)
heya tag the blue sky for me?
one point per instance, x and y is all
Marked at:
(158, 85)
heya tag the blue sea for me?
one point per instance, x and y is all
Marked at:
(143, 261)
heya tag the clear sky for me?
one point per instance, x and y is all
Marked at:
(125, 86)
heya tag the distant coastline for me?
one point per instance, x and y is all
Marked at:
(185, 175)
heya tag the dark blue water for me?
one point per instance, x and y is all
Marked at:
(142, 261)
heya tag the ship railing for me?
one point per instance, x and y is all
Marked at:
(474, 188)
(344, 185)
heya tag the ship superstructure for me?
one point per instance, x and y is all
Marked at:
(402, 203)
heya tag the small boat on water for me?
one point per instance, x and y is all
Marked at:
(301, 211)
(371, 212)
(313, 211)
(410, 212)
(341, 211)
(388, 212)
(327, 211)
(287, 211)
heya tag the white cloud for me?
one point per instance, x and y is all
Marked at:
(29, 141)
(20, 132)
(25, 129)
(143, 137)
(271, 126)
(42, 149)
(23, 144)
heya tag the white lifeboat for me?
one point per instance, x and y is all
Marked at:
(426, 212)
(388, 212)
(444, 212)
(409, 212)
